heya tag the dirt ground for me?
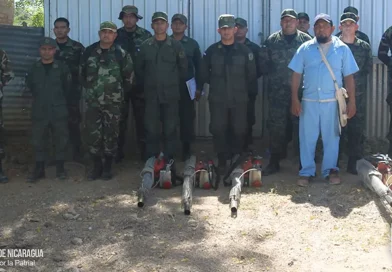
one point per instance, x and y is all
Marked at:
(97, 226)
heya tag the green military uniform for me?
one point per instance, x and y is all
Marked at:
(277, 52)
(304, 15)
(6, 75)
(105, 73)
(230, 71)
(383, 49)
(254, 89)
(186, 104)
(131, 42)
(50, 85)
(353, 132)
(71, 53)
(161, 66)
(359, 34)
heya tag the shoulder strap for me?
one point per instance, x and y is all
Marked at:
(119, 56)
(329, 67)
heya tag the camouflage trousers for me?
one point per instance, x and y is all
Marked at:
(2, 134)
(40, 134)
(281, 124)
(102, 129)
(352, 137)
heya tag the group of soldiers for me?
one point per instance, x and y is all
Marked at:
(154, 73)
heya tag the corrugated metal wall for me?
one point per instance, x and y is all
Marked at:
(21, 45)
(374, 20)
(86, 15)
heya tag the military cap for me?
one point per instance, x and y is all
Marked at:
(48, 41)
(303, 15)
(348, 16)
(109, 26)
(325, 17)
(289, 13)
(129, 10)
(159, 15)
(241, 22)
(226, 20)
(351, 9)
(180, 17)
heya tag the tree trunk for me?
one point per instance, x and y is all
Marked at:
(7, 12)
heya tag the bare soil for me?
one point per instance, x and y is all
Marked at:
(280, 227)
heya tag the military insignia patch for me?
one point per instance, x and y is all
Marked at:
(250, 56)
(182, 54)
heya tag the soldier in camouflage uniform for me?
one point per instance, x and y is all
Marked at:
(106, 70)
(383, 49)
(70, 52)
(161, 66)
(6, 75)
(303, 22)
(186, 104)
(130, 37)
(49, 81)
(229, 67)
(359, 34)
(353, 132)
(277, 51)
(240, 37)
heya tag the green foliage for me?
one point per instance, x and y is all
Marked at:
(29, 11)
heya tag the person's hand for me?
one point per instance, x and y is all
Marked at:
(351, 109)
(296, 107)
(197, 95)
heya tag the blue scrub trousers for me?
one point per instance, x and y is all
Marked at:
(315, 117)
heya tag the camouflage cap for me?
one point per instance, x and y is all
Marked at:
(129, 10)
(109, 26)
(241, 22)
(180, 17)
(348, 16)
(289, 13)
(159, 15)
(303, 15)
(351, 9)
(323, 16)
(48, 41)
(226, 20)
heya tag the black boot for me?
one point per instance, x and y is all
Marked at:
(352, 165)
(119, 155)
(96, 172)
(3, 178)
(273, 165)
(186, 151)
(107, 168)
(38, 172)
(60, 171)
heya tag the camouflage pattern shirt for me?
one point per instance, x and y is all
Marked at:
(363, 56)
(105, 73)
(6, 73)
(71, 54)
(359, 34)
(276, 54)
(131, 41)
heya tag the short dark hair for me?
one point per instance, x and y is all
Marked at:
(62, 19)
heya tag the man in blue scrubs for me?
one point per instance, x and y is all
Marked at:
(318, 110)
